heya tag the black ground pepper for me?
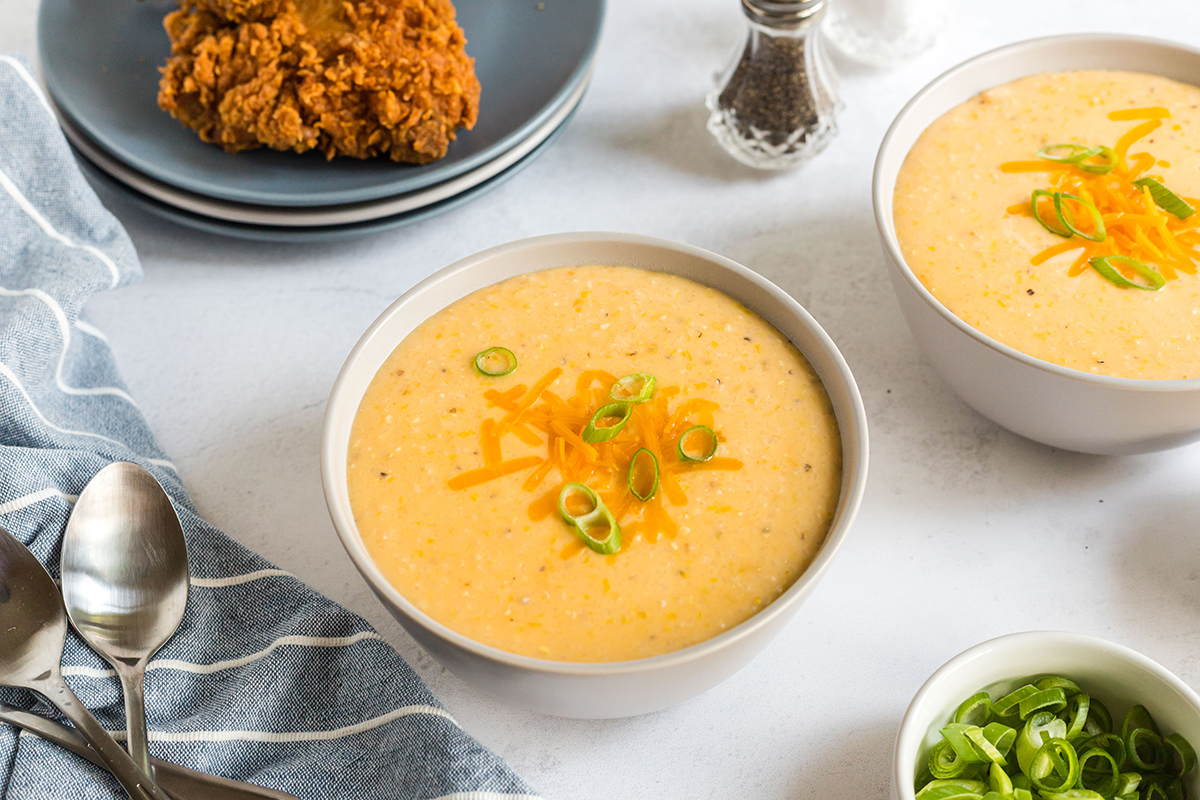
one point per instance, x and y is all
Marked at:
(770, 96)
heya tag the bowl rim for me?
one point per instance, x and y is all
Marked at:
(853, 431)
(891, 244)
(903, 766)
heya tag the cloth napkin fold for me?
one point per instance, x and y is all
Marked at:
(266, 680)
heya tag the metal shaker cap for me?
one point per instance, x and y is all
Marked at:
(784, 13)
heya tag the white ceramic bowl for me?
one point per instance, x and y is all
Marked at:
(1045, 402)
(593, 690)
(1117, 675)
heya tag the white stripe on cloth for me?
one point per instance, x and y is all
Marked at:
(12, 377)
(35, 497)
(233, 663)
(91, 330)
(294, 736)
(234, 580)
(49, 230)
(25, 76)
(64, 328)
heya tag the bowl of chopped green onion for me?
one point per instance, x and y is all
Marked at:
(1050, 715)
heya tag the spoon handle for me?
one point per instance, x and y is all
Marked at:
(181, 783)
(136, 783)
(133, 687)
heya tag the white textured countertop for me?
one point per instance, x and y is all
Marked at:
(966, 532)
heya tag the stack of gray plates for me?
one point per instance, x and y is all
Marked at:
(100, 61)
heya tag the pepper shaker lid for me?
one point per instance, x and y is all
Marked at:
(785, 13)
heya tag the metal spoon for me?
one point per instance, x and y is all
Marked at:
(125, 580)
(180, 782)
(33, 630)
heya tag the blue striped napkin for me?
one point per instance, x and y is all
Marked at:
(266, 680)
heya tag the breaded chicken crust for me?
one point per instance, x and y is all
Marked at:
(361, 79)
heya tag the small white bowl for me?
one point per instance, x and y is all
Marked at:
(1045, 402)
(593, 690)
(1118, 676)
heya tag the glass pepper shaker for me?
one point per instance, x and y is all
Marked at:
(773, 107)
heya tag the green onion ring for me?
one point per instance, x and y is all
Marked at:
(632, 480)
(1007, 706)
(621, 411)
(1154, 791)
(1054, 758)
(981, 703)
(944, 762)
(1137, 742)
(1099, 234)
(1001, 736)
(483, 358)
(637, 387)
(1072, 794)
(1077, 711)
(1041, 726)
(1104, 168)
(697, 429)
(1109, 742)
(985, 747)
(1078, 153)
(1104, 266)
(1052, 700)
(598, 516)
(1068, 686)
(1183, 757)
(956, 735)
(1099, 719)
(1066, 233)
(998, 781)
(1022, 794)
(1108, 787)
(1137, 717)
(1165, 199)
(1127, 782)
(952, 790)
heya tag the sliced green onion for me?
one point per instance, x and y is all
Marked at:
(495, 362)
(1104, 265)
(1099, 719)
(944, 762)
(1075, 153)
(708, 444)
(1052, 700)
(994, 796)
(1154, 791)
(1072, 794)
(635, 388)
(1098, 234)
(1108, 742)
(1068, 686)
(643, 482)
(1183, 757)
(1065, 232)
(998, 781)
(985, 747)
(596, 519)
(956, 735)
(1077, 713)
(975, 710)
(1127, 782)
(1144, 749)
(1022, 794)
(1165, 199)
(952, 790)
(599, 429)
(1104, 779)
(1001, 736)
(1007, 706)
(1103, 168)
(1039, 729)
(1055, 767)
(1137, 717)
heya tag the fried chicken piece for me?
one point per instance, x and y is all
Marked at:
(361, 79)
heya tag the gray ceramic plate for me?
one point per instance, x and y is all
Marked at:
(316, 233)
(100, 60)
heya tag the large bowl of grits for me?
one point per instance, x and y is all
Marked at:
(444, 481)
(1051, 350)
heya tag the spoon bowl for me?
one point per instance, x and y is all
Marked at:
(125, 579)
